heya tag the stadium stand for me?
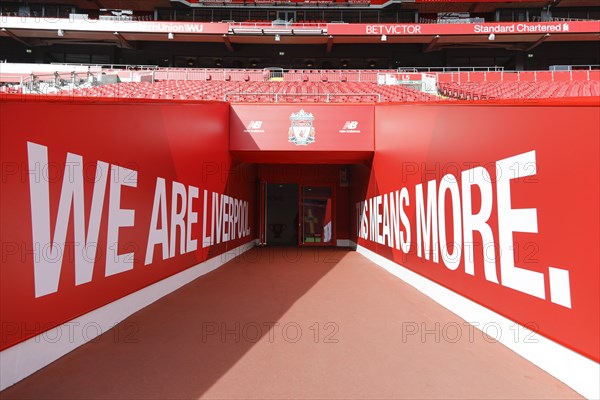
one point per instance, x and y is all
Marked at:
(523, 85)
(294, 86)
(515, 90)
(286, 92)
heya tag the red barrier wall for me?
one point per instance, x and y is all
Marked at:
(115, 178)
(511, 195)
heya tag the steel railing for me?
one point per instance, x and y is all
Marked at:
(277, 96)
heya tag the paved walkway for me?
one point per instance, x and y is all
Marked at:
(288, 323)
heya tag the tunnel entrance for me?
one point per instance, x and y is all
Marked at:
(297, 214)
(303, 204)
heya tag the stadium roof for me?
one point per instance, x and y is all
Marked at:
(514, 35)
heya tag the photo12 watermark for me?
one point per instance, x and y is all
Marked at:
(454, 332)
(271, 332)
(69, 332)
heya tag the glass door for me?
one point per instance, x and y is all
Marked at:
(288, 16)
(316, 206)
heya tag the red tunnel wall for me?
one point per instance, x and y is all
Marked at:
(416, 144)
(163, 140)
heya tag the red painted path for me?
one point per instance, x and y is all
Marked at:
(289, 323)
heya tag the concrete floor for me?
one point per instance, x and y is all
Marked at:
(289, 323)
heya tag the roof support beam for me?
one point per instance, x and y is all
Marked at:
(15, 37)
(329, 44)
(228, 44)
(124, 42)
(432, 45)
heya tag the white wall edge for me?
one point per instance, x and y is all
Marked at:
(25, 358)
(577, 371)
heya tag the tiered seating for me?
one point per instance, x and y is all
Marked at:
(519, 90)
(328, 86)
(242, 91)
(519, 85)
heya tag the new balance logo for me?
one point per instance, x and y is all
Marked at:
(350, 127)
(254, 125)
